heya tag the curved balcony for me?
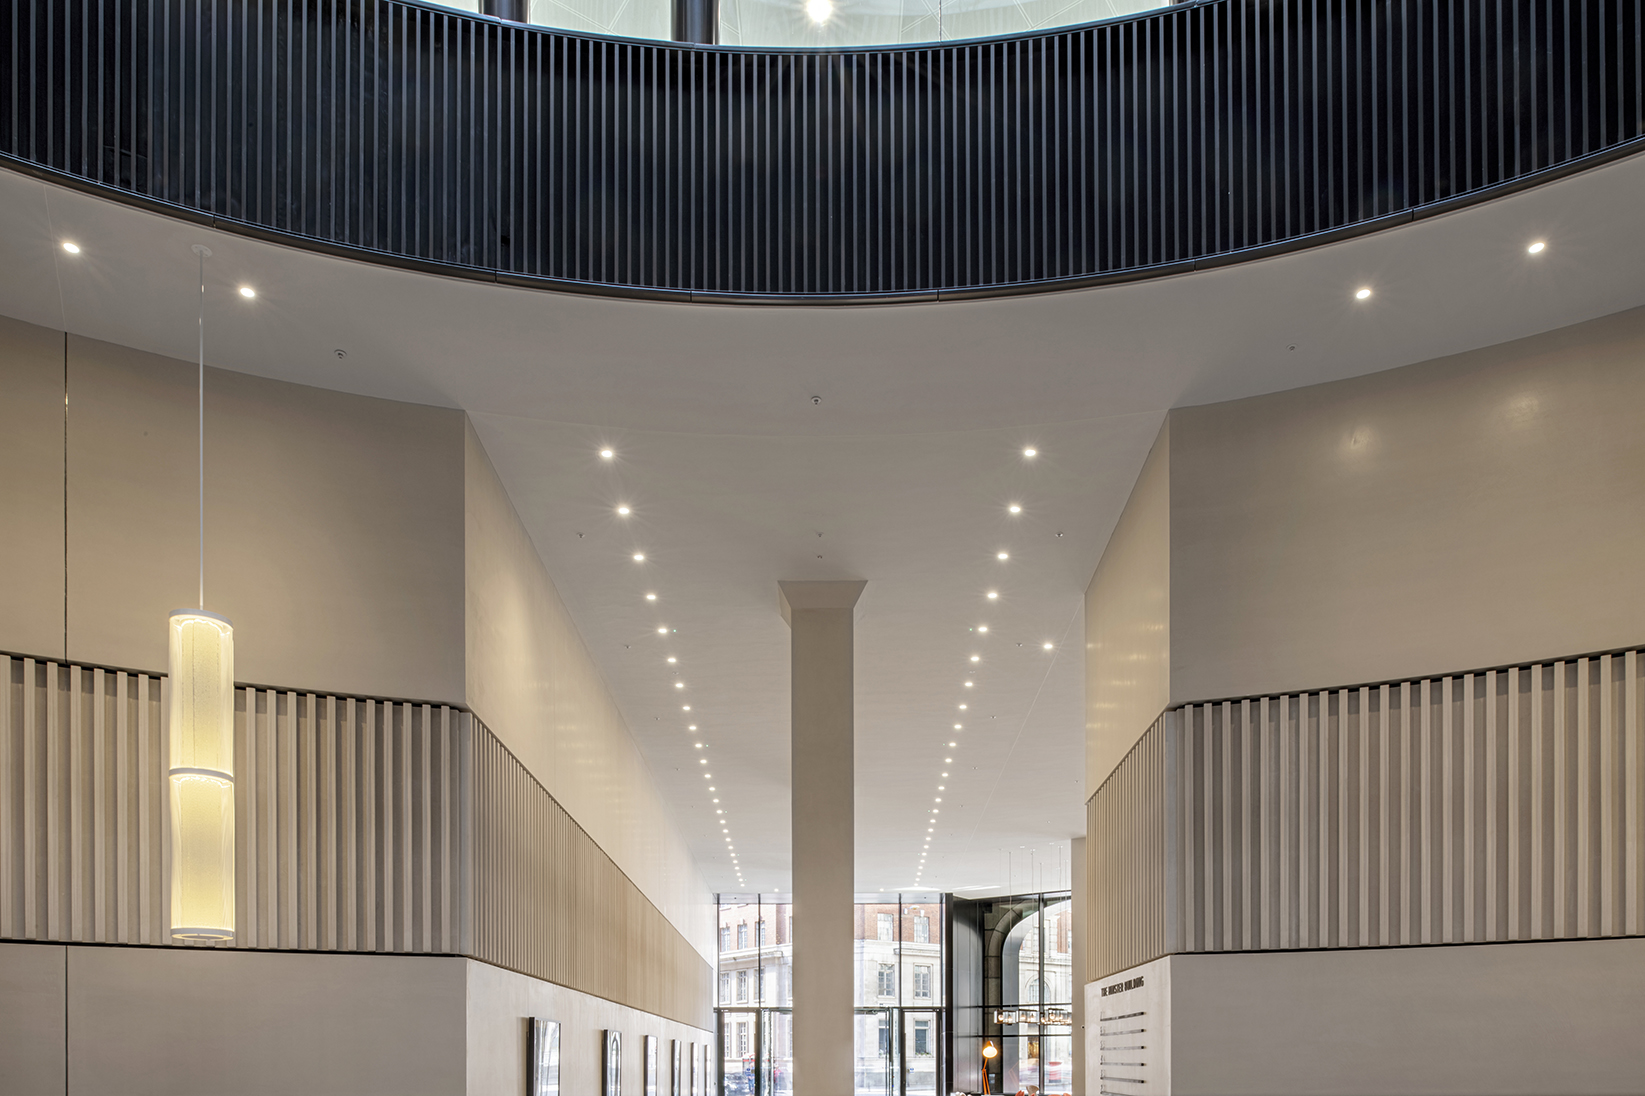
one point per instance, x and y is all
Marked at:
(1197, 135)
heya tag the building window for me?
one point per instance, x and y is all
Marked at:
(742, 987)
(742, 1039)
(742, 935)
(922, 1038)
(725, 937)
(922, 981)
(885, 926)
(759, 932)
(725, 989)
(885, 1036)
(888, 980)
(922, 929)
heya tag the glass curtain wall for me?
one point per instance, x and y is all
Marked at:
(900, 966)
(1018, 994)
(754, 985)
(901, 951)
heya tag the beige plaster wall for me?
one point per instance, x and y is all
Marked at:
(203, 1022)
(531, 680)
(500, 1003)
(1127, 622)
(31, 489)
(1500, 1018)
(333, 531)
(1472, 511)
(33, 989)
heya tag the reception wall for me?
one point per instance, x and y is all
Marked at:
(1405, 719)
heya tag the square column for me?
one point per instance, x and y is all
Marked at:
(821, 616)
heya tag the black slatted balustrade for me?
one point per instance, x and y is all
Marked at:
(1194, 135)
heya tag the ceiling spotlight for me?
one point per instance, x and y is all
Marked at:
(606, 454)
(663, 630)
(702, 761)
(818, 11)
(1048, 646)
(639, 557)
(679, 684)
(982, 627)
(672, 659)
(948, 761)
(1030, 452)
(717, 802)
(957, 727)
(976, 658)
(1534, 249)
(1015, 509)
(968, 685)
(992, 594)
(699, 745)
(963, 707)
(692, 727)
(708, 776)
(71, 248)
(623, 511)
(1004, 555)
(651, 597)
(247, 292)
(951, 745)
(685, 707)
(1364, 292)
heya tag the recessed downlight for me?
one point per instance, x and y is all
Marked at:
(623, 511)
(1003, 555)
(606, 454)
(1048, 646)
(1363, 293)
(1014, 508)
(957, 727)
(1030, 452)
(662, 630)
(247, 292)
(993, 595)
(651, 597)
(1536, 248)
(679, 684)
(639, 557)
(968, 684)
(71, 247)
(976, 658)
(982, 627)
(672, 659)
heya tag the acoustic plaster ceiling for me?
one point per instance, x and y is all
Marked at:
(760, 443)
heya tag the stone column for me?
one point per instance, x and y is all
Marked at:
(821, 617)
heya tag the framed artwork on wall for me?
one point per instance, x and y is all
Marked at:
(650, 1065)
(676, 1083)
(612, 1079)
(545, 1057)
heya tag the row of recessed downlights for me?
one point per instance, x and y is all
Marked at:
(623, 511)
(1003, 555)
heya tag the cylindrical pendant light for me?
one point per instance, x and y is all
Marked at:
(202, 775)
(201, 739)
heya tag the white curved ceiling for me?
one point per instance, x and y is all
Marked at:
(905, 467)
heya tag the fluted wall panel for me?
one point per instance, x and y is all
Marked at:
(1502, 805)
(550, 903)
(1130, 846)
(348, 817)
(1149, 145)
(361, 825)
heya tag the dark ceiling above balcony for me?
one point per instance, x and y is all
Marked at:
(1197, 135)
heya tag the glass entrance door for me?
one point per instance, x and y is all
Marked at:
(921, 1056)
(876, 1047)
(776, 1053)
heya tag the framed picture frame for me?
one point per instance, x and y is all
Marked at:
(676, 1056)
(611, 1080)
(545, 1057)
(650, 1065)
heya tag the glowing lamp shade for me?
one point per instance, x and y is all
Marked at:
(202, 775)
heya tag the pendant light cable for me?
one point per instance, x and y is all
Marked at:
(202, 251)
